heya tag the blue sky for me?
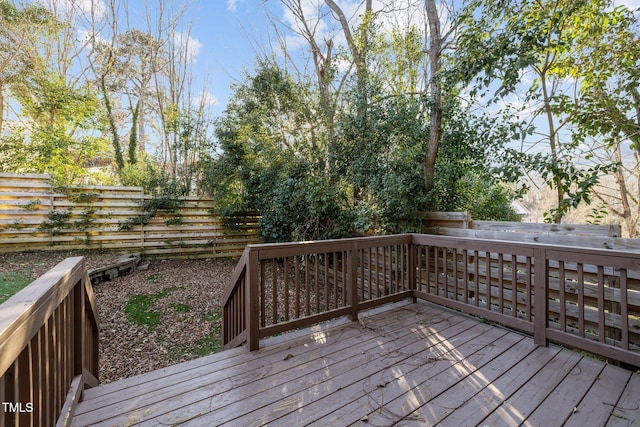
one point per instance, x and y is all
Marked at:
(231, 31)
(229, 34)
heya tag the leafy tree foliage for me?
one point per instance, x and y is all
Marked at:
(555, 41)
(378, 156)
(57, 141)
(472, 172)
(368, 179)
(57, 112)
(268, 164)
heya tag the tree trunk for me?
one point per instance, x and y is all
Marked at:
(1, 106)
(115, 139)
(624, 195)
(435, 122)
(141, 125)
(359, 55)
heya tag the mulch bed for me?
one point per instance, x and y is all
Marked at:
(182, 298)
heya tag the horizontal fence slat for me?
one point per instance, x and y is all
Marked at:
(33, 215)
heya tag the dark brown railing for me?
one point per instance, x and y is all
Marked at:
(590, 297)
(284, 286)
(48, 347)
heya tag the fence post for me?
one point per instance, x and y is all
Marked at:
(52, 200)
(541, 297)
(142, 225)
(252, 307)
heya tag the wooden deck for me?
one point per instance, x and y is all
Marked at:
(401, 364)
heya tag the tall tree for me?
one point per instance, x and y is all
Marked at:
(20, 30)
(435, 86)
(57, 108)
(605, 110)
(358, 45)
(500, 41)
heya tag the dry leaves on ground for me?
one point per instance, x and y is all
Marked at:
(182, 297)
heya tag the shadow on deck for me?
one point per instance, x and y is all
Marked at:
(394, 362)
(403, 363)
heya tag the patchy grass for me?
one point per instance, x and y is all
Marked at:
(139, 308)
(212, 343)
(203, 346)
(11, 283)
(181, 308)
(208, 345)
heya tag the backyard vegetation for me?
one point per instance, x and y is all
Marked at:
(161, 316)
(379, 112)
(10, 283)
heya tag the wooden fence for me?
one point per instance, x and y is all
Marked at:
(460, 224)
(581, 297)
(34, 216)
(48, 347)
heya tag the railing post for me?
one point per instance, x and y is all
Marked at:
(80, 328)
(541, 297)
(411, 265)
(252, 307)
(352, 282)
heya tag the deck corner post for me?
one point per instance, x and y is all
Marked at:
(252, 308)
(352, 283)
(541, 297)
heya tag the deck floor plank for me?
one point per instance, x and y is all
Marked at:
(627, 411)
(483, 376)
(606, 390)
(414, 390)
(291, 380)
(408, 363)
(192, 396)
(488, 399)
(343, 380)
(564, 399)
(516, 409)
(141, 384)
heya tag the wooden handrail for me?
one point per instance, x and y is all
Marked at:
(48, 347)
(282, 286)
(234, 329)
(582, 297)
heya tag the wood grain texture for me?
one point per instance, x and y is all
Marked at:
(403, 364)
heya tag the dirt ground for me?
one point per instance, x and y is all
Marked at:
(150, 319)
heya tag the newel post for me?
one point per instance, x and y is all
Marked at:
(252, 304)
(541, 297)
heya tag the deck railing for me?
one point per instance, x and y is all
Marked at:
(48, 347)
(584, 298)
(284, 286)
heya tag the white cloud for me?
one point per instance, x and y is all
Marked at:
(206, 99)
(630, 4)
(187, 44)
(232, 5)
(70, 8)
